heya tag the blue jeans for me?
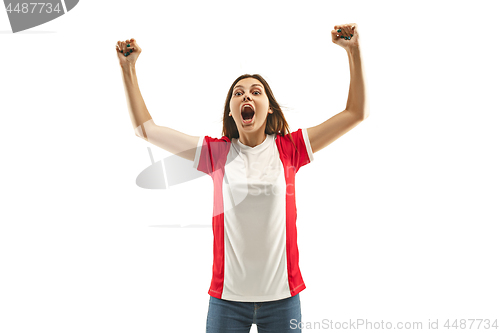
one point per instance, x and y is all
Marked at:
(237, 317)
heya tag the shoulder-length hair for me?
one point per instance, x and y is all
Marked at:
(275, 123)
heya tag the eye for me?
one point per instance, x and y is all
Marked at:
(236, 93)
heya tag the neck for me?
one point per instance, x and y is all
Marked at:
(252, 139)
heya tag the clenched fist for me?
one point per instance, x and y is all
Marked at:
(127, 51)
(346, 36)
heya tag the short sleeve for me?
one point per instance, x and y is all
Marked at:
(211, 154)
(296, 157)
(305, 154)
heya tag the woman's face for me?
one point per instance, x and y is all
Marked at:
(249, 91)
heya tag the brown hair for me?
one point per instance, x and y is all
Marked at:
(275, 122)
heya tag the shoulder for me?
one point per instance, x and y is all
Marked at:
(289, 139)
(209, 139)
(216, 145)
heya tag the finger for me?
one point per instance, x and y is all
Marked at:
(125, 49)
(133, 45)
(354, 27)
(349, 32)
(119, 46)
(338, 31)
(119, 52)
(342, 33)
(335, 36)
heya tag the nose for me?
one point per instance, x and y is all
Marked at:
(246, 98)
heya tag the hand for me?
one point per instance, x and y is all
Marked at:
(128, 51)
(349, 31)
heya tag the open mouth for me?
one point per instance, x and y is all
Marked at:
(247, 114)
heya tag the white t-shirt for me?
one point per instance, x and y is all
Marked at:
(255, 236)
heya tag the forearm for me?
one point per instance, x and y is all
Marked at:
(137, 108)
(357, 101)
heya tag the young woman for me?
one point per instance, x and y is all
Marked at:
(256, 277)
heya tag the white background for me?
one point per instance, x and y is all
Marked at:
(397, 220)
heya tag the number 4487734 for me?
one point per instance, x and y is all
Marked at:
(462, 324)
(24, 7)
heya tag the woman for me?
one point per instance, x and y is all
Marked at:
(256, 277)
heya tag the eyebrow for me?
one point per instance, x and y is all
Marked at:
(256, 84)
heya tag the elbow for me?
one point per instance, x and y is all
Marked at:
(361, 114)
(366, 114)
(140, 132)
(141, 136)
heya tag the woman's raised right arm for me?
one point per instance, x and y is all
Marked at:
(176, 142)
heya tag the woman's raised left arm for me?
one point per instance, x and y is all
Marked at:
(357, 108)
